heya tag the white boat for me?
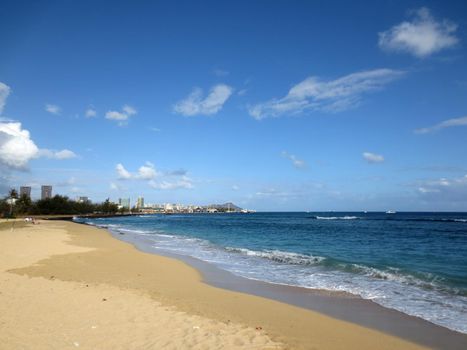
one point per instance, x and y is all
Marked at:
(390, 212)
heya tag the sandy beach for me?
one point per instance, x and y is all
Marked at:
(68, 286)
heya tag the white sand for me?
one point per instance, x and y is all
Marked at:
(46, 313)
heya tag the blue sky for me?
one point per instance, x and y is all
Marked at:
(282, 105)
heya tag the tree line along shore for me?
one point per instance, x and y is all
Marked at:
(13, 206)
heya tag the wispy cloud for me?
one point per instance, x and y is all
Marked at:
(60, 155)
(129, 110)
(169, 180)
(115, 187)
(121, 116)
(4, 92)
(314, 94)
(220, 72)
(373, 157)
(297, 163)
(178, 172)
(185, 182)
(443, 189)
(195, 104)
(420, 37)
(90, 113)
(54, 109)
(444, 124)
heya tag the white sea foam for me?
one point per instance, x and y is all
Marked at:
(279, 256)
(337, 217)
(424, 297)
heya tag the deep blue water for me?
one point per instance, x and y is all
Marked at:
(413, 262)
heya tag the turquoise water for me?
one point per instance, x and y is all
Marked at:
(412, 262)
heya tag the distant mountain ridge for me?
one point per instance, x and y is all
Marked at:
(226, 206)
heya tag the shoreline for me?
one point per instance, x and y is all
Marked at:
(339, 305)
(107, 261)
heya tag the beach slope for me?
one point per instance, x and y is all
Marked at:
(65, 285)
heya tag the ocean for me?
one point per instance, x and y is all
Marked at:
(412, 262)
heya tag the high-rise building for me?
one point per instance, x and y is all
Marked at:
(124, 203)
(83, 199)
(46, 192)
(25, 190)
(140, 203)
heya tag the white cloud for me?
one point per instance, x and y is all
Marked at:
(242, 92)
(444, 124)
(129, 110)
(54, 109)
(272, 192)
(185, 182)
(194, 104)
(443, 189)
(297, 163)
(4, 92)
(337, 95)
(147, 172)
(420, 37)
(16, 146)
(427, 190)
(123, 116)
(60, 155)
(116, 187)
(372, 157)
(123, 174)
(114, 115)
(90, 113)
(64, 154)
(170, 180)
(235, 187)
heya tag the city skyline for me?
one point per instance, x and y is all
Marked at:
(265, 105)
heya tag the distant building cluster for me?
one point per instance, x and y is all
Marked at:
(140, 206)
(46, 191)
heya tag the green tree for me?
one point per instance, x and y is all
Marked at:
(23, 205)
(12, 196)
(108, 207)
(4, 208)
(12, 193)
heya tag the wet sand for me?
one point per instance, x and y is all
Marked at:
(340, 305)
(65, 284)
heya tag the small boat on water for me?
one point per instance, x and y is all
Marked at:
(390, 212)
